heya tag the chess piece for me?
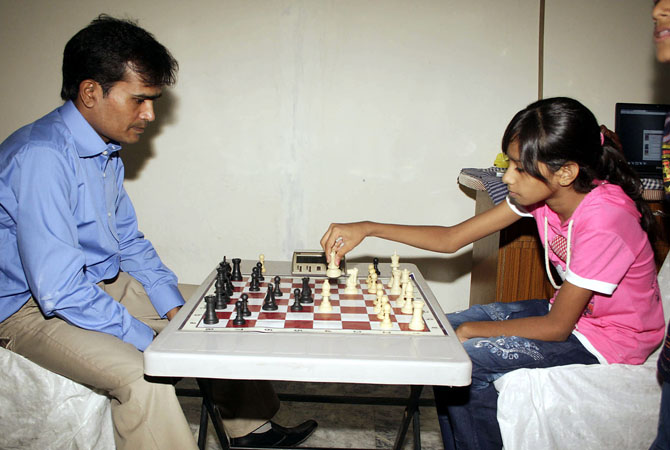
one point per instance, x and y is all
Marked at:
(244, 298)
(325, 306)
(254, 284)
(385, 301)
(237, 273)
(278, 292)
(259, 265)
(378, 301)
(400, 301)
(416, 323)
(306, 296)
(395, 287)
(375, 264)
(395, 261)
(333, 271)
(351, 282)
(409, 292)
(261, 259)
(371, 269)
(372, 287)
(239, 317)
(210, 312)
(408, 307)
(296, 306)
(269, 303)
(404, 278)
(386, 323)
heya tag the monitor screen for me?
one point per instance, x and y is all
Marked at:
(640, 129)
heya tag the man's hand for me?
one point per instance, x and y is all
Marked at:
(171, 313)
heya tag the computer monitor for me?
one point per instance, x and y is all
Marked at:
(640, 129)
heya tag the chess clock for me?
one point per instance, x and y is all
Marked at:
(312, 262)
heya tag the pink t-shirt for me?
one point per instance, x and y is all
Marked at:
(611, 256)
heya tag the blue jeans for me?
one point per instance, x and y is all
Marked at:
(662, 441)
(467, 415)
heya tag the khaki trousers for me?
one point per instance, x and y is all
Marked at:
(145, 411)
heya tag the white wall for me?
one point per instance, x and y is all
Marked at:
(290, 114)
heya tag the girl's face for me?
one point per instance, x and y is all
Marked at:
(523, 188)
(661, 16)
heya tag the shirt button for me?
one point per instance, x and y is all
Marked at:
(105, 153)
(109, 214)
(104, 175)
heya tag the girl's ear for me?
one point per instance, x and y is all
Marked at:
(567, 174)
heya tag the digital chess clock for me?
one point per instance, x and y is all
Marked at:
(312, 262)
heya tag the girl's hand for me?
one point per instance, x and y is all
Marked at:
(341, 238)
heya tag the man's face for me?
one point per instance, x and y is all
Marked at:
(661, 16)
(126, 110)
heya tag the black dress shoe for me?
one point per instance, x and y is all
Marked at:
(277, 436)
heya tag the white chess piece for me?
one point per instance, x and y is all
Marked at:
(395, 261)
(333, 270)
(325, 305)
(386, 323)
(409, 292)
(378, 301)
(416, 323)
(385, 301)
(400, 301)
(408, 307)
(372, 286)
(261, 258)
(404, 278)
(351, 282)
(395, 287)
(395, 273)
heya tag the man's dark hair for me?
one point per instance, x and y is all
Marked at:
(106, 48)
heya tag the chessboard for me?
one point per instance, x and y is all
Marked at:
(351, 313)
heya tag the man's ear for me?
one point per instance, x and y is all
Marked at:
(567, 174)
(90, 93)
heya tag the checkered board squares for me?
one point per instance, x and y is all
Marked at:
(351, 313)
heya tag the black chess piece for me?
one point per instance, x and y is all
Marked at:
(210, 312)
(278, 292)
(254, 284)
(260, 271)
(237, 273)
(245, 305)
(306, 296)
(269, 303)
(375, 262)
(296, 306)
(221, 299)
(239, 317)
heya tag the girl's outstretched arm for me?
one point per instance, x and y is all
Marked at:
(343, 237)
(555, 326)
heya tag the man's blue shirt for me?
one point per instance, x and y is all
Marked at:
(67, 223)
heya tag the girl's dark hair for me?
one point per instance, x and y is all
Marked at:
(106, 48)
(557, 130)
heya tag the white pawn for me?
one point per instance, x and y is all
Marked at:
(395, 287)
(416, 323)
(408, 307)
(325, 305)
(261, 258)
(351, 282)
(400, 301)
(378, 300)
(395, 261)
(371, 268)
(385, 302)
(372, 286)
(404, 278)
(386, 323)
(333, 270)
(409, 293)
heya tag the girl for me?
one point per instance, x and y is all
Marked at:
(593, 225)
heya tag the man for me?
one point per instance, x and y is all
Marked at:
(82, 293)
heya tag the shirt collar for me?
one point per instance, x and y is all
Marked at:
(87, 140)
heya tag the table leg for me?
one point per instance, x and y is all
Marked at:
(206, 390)
(411, 414)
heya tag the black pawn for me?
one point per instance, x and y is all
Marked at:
(278, 292)
(237, 273)
(296, 306)
(269, 303)
(375, 262)
(306, 296)
(210, 312)
(254, 285)
(245, 305)
(259, 265)
(239, 317)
